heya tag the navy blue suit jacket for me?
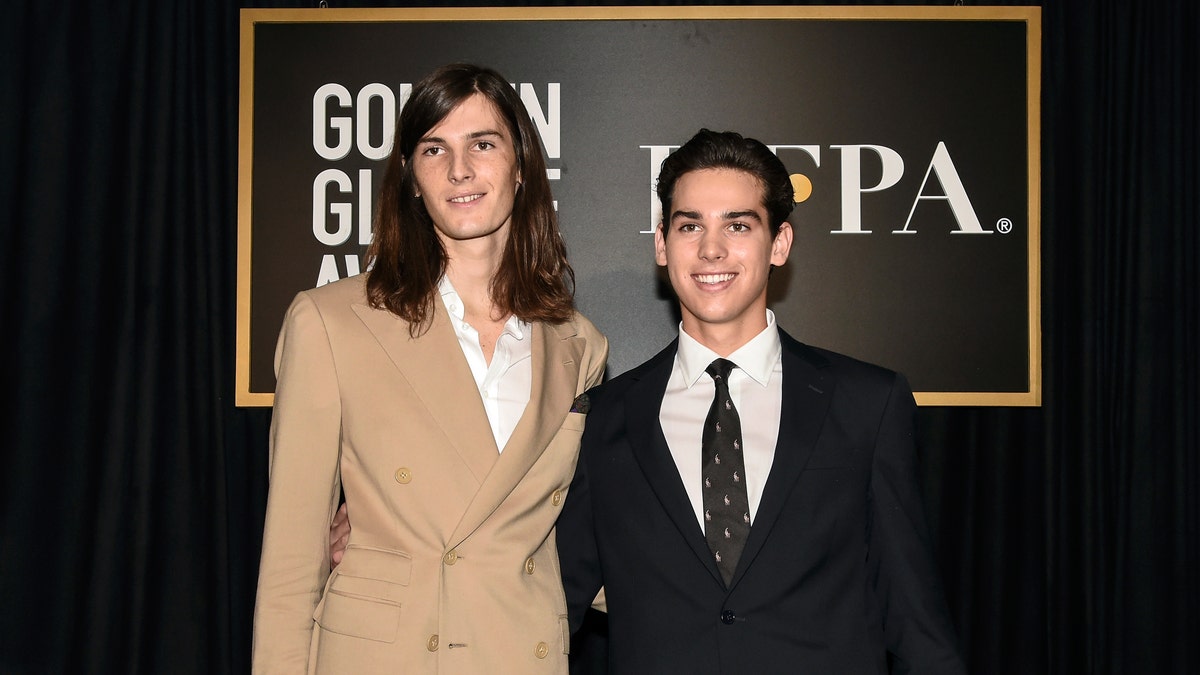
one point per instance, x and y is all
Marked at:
(836, 577)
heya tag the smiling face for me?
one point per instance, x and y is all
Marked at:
(465, 170)
(718, 250)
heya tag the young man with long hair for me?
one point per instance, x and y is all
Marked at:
(437, 391)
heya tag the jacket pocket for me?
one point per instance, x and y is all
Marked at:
(364, 594)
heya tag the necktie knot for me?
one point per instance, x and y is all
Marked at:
(719, 369)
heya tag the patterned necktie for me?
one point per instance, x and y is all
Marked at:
(726, 507)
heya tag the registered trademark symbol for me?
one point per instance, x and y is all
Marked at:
(1004, 226)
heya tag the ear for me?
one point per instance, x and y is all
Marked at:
(660, 245)
(782, 244)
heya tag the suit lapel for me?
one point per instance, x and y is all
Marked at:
(557, 356)
(644, 432)
(436, 370)
(807, 392)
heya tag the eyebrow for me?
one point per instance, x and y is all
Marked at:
(747, 214)
(471, 136)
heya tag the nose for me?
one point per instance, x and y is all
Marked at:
(712, 245)
(460, 167)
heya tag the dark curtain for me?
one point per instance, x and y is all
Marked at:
(132, 488)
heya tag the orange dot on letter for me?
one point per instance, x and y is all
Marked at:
(801, 187)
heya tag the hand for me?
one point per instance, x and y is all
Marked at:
(339, 535)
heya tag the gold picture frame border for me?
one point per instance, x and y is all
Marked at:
(1030, 16)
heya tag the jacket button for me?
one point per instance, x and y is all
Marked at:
(450, 558)
(541, 650)
(403, 475)
(529, 566)
(728, 617)
(556, 497)
(432, 644)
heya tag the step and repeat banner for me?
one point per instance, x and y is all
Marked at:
(915, 132)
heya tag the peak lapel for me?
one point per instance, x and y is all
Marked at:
(807, 392)
(437, 372)
(557, 357)
(650, 449)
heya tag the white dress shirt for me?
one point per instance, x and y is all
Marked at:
(756, 386)
(504, 383)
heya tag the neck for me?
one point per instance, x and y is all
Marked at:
(471, 270)
(724, 338)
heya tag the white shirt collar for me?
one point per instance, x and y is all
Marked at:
(757, 358)
(454, 305)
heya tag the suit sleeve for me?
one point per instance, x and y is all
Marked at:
(596, 357)
(577, 551)
(918, 632)
(574, 532)
(304, 490)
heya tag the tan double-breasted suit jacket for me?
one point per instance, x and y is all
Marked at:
(452, 564)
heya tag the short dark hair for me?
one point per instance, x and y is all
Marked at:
(730, 150)
(534, 282)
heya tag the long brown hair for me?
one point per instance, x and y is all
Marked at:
(534, 281)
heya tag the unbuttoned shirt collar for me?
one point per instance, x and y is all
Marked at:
(505, 383)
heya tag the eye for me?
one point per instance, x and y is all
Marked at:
(739, 227)
(432, 151)
(485, 145)
(688, 227)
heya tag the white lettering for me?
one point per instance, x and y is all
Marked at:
(340, 210)
(852, 189)
(387, 123)
(549, 124)
(329, 271)
(322, 122)
(657, 154)
(364, 207)
(813, 151)
(956, 194)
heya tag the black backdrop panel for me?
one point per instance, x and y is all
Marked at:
(916, 129)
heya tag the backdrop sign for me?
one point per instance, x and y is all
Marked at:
(917, 130)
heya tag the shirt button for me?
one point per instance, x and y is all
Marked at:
(451, 557)
(432, 644)
(728, 617)
(541, 650)
(403, 475)
(556, 497)
(529, 566)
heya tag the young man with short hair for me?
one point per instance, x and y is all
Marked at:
(749, 503)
